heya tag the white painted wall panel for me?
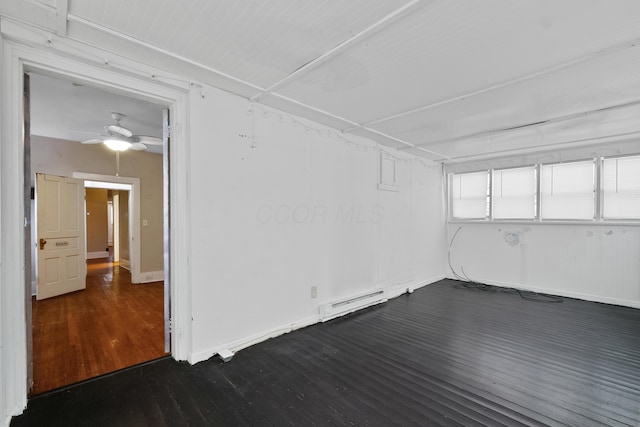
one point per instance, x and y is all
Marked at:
(5, 365)
(395, 230)
(594, 262)
(344, 217)
(296, 211)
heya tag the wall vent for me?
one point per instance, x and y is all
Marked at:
(349, 305)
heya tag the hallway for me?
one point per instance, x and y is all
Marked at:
(110, 325)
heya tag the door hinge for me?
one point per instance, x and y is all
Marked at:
(170, 325)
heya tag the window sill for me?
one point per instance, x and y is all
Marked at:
(607, 223)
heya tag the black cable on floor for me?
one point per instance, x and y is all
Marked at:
(528, 295)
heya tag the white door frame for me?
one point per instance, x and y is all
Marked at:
(26, 48)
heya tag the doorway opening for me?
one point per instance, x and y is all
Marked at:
(112, 224)
(119, 317)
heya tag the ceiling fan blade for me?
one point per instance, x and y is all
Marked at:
(149, 140)
(119, 130)
(93, 141)
(138, 146)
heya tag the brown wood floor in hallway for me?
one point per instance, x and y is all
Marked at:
(110, 325)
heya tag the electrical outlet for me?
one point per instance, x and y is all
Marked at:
(314, 292)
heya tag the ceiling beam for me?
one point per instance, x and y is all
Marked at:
(552, 147)
(408, 145)
(602, 52)
(77, 19)
(339, 48)
(62, 12)
(557, 119)
(347, 121)
(380, 24)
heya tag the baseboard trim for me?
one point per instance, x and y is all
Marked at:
(151, 276)
(561, 293)
(125, 263)
(394, 291)
(99, 254)
(242, 343)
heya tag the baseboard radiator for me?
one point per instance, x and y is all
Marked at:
(349, 305)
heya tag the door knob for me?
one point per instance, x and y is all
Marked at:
(42, 243)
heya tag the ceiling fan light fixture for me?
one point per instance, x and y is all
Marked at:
(117, 144)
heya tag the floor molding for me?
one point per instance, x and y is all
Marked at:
(99, 254)
(562, 293)
(125, 263)
(151, 276)
(242, 343)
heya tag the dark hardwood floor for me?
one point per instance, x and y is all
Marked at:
(110, 325)
(440, 356)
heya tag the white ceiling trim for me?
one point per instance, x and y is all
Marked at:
(602, 52)
(346, 44)
(408, 144)
(557, 119)
(551, 147)
(62, 11)
(77, 19)
(347, 121)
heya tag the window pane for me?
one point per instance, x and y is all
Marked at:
(469, 195)
(514, 193)
(621, 187)
(567, 191)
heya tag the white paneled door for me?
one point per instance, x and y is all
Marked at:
(62, 264)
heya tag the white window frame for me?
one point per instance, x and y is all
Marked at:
(595, 189)
(601, 190)
(449, 189)
(598, 197)
(536, 212)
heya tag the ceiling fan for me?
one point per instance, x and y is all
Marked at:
(119, 138)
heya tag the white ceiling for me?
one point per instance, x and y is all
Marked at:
(75, 112)
(444, 79)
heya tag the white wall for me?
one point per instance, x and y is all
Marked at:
(4, 411)
(278, 208)
(592, 262)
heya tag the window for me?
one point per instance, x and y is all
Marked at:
(567, 190)
(621, 188)
(470, 195)
(587, 190)
(514, 193)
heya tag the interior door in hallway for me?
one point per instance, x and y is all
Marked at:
(61, 243)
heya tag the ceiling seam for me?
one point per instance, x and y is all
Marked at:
(326, 113)
(144, 44)
(578, 143)
(340, 47)
(537, 123)
(602, 52)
